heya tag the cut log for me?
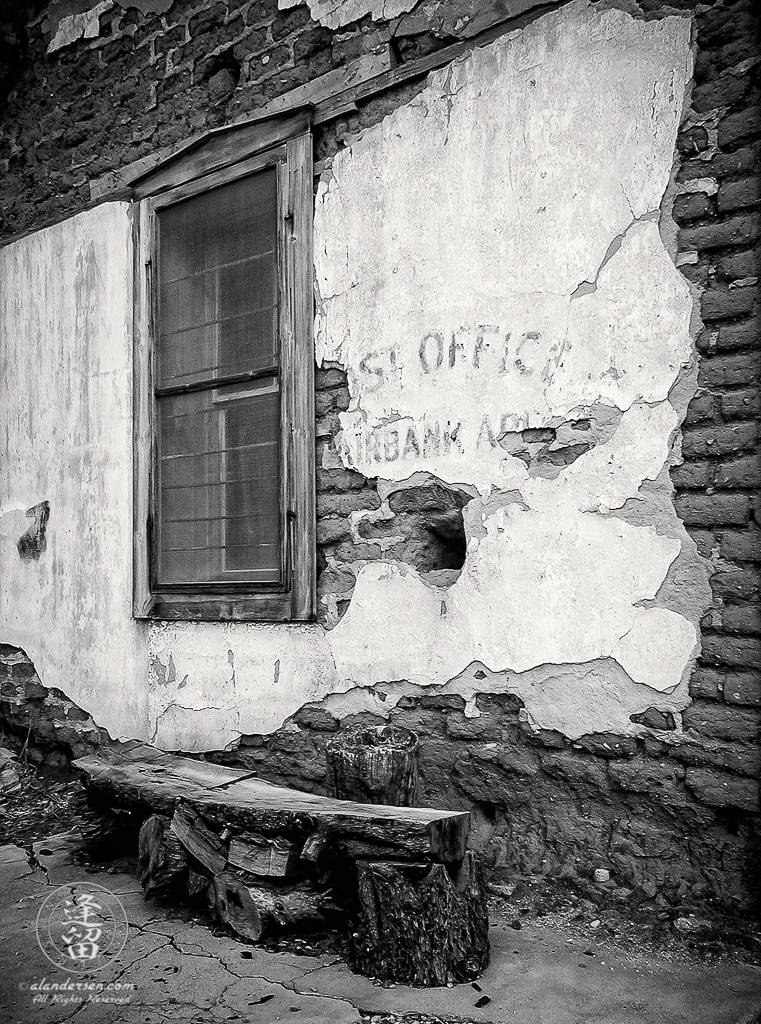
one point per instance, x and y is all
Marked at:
(420, 926)
(163, 858)
(198, 839)
(198, 882)
(252, 910)
(374, 765)
(270, 858)
(143, 777)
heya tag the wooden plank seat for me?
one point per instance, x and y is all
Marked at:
(142, 778)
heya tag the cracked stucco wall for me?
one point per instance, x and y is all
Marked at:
(489, 262)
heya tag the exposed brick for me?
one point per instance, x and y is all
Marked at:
(722, 165)
(707, 682)
(712, 509)
(743, 472)
(730, 371)
(717, 789)
(742, 652)
(343, 504)
(718, 721)
(741, 229)
(736, 195)
(742, 619)
(701, 408)
(741, 546)
(743, 688)
(740, 127)
(654, 718)
(693, 206)
(722, 303)
(741, 404)
(724, 91)
(740, 583)
(743, 334)
(207, 20)
(693, 475)
(713, 440)
(331, 530)
(739, 265)
(742, 758)
(329, 378)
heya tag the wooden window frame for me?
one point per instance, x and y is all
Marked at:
(286, 144)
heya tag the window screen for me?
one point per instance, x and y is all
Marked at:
(218, 489)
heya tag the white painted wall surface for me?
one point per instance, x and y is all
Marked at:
(471, 215)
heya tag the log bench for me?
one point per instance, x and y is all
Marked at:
(267, 857)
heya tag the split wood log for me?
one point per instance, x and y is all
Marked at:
(420, 926)
(198, 839)
(198, 882)
(374, 765)
(163, 858)
(271, 858)
(252, 910)
(140, 776)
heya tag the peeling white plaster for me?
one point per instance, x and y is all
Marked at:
(335, 13)
(85, 25)
(449, 242)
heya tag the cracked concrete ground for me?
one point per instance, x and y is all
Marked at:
(181, 972)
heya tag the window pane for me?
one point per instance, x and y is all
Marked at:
(217, 282)
(219, 486)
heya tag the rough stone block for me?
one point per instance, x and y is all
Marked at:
(332, 529)
(343, 504)
(717, 789)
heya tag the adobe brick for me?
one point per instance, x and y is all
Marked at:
(736, 195)
(707, 682)
(261, 12)
(340, 480)
(739, 757)
(739, 652)
(324, 403)
(741, 404)
(692, 476)
(724, 91)
(741, 546)
(730, 370)
(701, 408)
(207, 20)
(743, 334)
(738, 582)
(710, 718)
(718, 440)
(654, 718)
(332, 529)
(722, 165)
(743, 688)
(329, 378)
(712, 509)
(718, 789)
(739, 229)
(692, 206)
(696, 273)
(739, 265)
(741, 619)
(742, 472)
(743, 126)
(291, 22)
(343, 504)
(719, 303)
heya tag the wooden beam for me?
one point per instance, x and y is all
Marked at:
(231, 797)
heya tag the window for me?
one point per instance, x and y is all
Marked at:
(224, 455)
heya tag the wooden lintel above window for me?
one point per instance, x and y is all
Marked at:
(221, 148)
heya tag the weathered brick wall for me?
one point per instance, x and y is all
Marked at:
(663, 810)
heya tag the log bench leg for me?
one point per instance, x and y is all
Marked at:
(421, 925)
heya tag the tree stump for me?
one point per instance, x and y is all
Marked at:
(419, 925)
(163, 858)
(374, 765)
